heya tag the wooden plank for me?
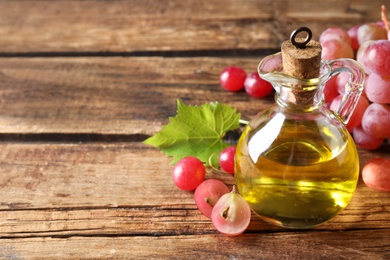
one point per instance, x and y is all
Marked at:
(118, 95)
(39, 176)
(123, 189)
(137, 26)
(367, 244)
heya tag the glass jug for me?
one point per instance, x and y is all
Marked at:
(296, 164)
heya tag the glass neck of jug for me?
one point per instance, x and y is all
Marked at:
(292, 93)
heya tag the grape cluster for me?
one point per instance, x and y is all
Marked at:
(370, 122)
(369, 44)
(229, 211)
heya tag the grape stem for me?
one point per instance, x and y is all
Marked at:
(384, 18)
(243, 122)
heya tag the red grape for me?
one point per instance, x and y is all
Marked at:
(330, 90)
(208, 193)
(365, 141)
(335, 33)
(231, 215)
(376, 174)
(357, 115)
(378, 88)
(232, 78)
(376, 58)
(342, 80)
(376, 120)
(188, 173)
(334, 49)
(256, 86)
(361, 50)
(352, 32)
(226, 159)
(370, 31)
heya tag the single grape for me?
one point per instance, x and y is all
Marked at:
(376, 174)
(232, 78)
(357, 115)
(226, 159)
(352, 32)
(376, 120)
(370, 31)
(365, 141)
(335, 33)
(335, 103)
(208, 193)
(376, 58)
(378, 88)
(256, 86)
(231, 215)
(334, 49)
(188, 173)
(361, 50)
(330, 91)
(342, 80)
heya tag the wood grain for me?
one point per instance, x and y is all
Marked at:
(123, 189)
(289, 245)
(169, 25)
(133, 95)
(83, 83)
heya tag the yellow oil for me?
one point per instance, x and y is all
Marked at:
(305, 177)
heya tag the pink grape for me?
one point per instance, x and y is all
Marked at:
(378, 88)
(256, 86)
(208, 193)
(376, 120)
(335, 103)
(188, 173)
(361, 50)
(357, 115)
(334, 49)
(330, 90)
(231, 215)
(376, 174)
(376, 58)
(232, 78)
(352, 32)
(226, 159)
(365, 141)
(335, 33)
(342, 80)
(370, 31)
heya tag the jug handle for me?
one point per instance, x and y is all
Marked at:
(353, 88)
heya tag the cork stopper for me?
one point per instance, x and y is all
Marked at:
(302, 59)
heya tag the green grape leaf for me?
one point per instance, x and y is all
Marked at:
(196, 131)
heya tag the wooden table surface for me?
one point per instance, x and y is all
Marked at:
(83, 83)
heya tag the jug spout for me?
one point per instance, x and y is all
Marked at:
(292, 92)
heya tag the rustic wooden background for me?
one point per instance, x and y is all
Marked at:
(83, 83)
